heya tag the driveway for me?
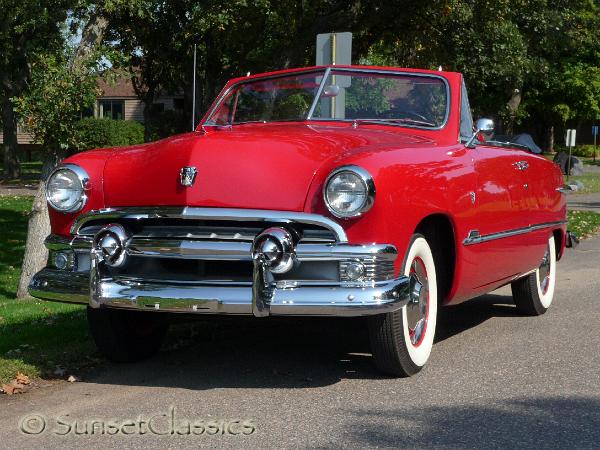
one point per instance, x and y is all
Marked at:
(495, 379)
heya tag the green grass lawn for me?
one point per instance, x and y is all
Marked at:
(35, 337)
(30, 174)
(584, 223)
(591, 183)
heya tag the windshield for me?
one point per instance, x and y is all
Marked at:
(391, 98)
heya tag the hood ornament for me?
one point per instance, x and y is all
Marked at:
(187, 176)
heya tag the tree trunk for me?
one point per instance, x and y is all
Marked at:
(36, 254)
(12, 169)
(551, 138)
(91, 36)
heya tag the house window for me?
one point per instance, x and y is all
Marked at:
(112, 109)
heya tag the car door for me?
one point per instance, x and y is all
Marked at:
(500, 200)
(496, 245)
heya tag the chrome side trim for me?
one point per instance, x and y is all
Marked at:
(225, 214)
(475, 238)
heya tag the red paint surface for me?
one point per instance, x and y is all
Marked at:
(282, 166)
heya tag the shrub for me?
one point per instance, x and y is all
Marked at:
(97, 133)
(584, 150)
(167, 123)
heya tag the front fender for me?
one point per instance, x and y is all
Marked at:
(411, 184)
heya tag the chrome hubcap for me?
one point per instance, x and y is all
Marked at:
(544, 271)
(418, 306)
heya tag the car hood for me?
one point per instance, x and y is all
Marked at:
(258, 166)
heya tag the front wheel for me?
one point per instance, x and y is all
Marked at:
(534, 293)
(126, 336)
(401, 341)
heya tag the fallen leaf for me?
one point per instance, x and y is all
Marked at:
(21, 378)
(72, 379)
(13, 388)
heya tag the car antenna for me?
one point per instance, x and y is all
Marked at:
(194, 94)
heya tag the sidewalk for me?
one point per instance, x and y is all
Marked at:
(22, 190)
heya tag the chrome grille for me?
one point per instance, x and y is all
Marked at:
(183, 229)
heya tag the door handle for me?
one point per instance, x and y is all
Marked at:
(521, 165)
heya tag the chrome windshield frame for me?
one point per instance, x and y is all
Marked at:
(326, 72)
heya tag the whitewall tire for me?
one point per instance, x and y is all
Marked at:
(401, 341)
(534, 293)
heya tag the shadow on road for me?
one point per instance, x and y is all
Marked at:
(277, 353)
(454, 320)
(552, 422)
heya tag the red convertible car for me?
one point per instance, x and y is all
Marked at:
(324, 191)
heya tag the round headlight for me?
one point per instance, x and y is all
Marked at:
(349, 191)
(65, 188)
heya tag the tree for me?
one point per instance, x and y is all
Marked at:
(25, 27)
(56, 95)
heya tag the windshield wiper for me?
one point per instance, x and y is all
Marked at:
(397, 122)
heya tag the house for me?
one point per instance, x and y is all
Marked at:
(119, 102)
(116, 101)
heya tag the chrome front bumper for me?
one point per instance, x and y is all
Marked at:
(212, 298)
(95, 284)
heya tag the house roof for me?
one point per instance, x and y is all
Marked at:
(119, 86)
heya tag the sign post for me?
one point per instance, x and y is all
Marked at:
(595, 134)
(570, 142)
(335, 48)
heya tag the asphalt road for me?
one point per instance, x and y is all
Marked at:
(495, 379)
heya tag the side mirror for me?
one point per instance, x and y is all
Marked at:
(483, 126)
(331, 91)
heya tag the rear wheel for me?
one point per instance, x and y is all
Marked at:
(401, 341)
(126, 336)
(534, 293)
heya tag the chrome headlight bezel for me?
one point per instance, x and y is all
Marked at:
(83, 180)
(368, 185)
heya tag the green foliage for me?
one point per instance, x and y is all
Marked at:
(96, 133)
(366, 97)
(51, 105)
(586, 151)
(168, 123)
